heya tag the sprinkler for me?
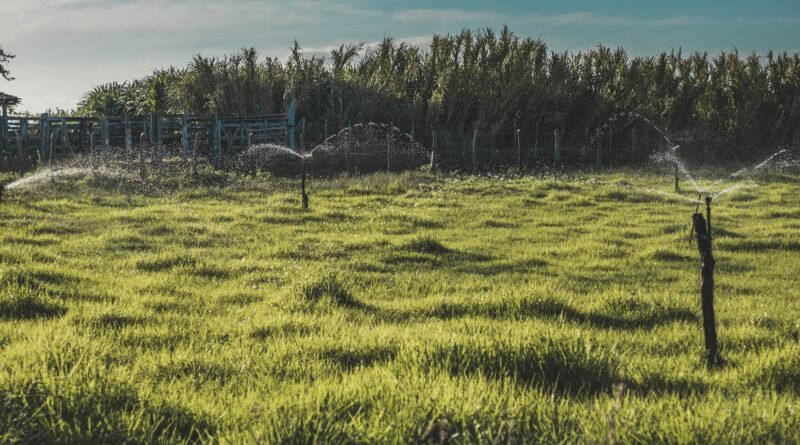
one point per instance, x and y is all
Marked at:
(2, 191)
(702, 229)
(303, 183)
(303, 194)
(677, 179)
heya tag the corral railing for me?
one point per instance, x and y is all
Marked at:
(26, 141)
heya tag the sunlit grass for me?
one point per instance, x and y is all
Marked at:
(398, 308)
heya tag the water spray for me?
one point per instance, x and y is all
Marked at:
(702, 229)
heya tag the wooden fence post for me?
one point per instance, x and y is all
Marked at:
(185, 135)
(153, 136)
(389, 148)
(702, 230)
(433, 148)
(474, 148)
(218, 141)
(23, 129)
(598, 144)
(347, 146)
(128, 143)
(536, 143)
(43, 136)
(519, 150)
(290, 122)
(557, 145)
(3, 126)
(611, 157)
(65, 137)
(82, 135)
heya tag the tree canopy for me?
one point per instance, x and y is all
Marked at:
(728, 104)
(5, 58)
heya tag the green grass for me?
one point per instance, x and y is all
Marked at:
(399, 308)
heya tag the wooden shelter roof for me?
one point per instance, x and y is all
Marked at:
(7, 99)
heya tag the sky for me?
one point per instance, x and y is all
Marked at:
(66, 47)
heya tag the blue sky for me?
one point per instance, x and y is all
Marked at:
(65, 47)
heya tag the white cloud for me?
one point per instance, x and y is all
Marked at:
(591, 19)
(446, 16)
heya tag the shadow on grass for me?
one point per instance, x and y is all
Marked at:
(561, 364)
(23, 304)
(349, 359)
(99, 410)
(646, 317)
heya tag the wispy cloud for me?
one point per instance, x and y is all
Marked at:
(591, 19)
(446, 16)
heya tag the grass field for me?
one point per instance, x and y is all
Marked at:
(399, 308)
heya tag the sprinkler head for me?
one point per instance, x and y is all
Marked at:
(2, 191)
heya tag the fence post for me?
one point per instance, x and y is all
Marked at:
(347, 146)
(290, 121)
(536, 143)
(82, 134)
(474, 147)
(153, 136)
(633, 144)
(597, 151)
(389, 148)
(104, 130)
(3, 125)
(43, 136)
(128, 143)
(519, 150)
(493, 144)
(185, 135)
(557, 145)
(218, 140)
(65, 136)
(23, 130)
(433, 148)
